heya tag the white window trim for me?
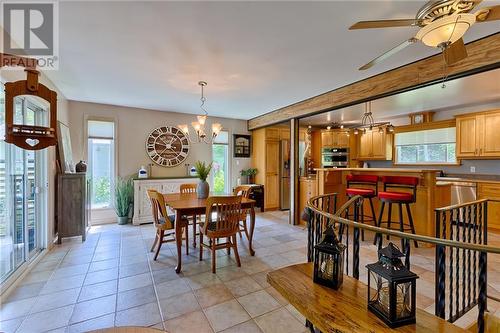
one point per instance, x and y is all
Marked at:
(86, 118)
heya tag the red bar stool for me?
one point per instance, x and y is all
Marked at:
(366, 193)
(399, 198)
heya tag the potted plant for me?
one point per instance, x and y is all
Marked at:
(202, 171)
(124, 195)
(250, 175)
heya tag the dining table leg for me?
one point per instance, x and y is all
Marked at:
(252, 227)
(178, 239)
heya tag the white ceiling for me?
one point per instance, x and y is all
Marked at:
(255, 56)
(468, 92)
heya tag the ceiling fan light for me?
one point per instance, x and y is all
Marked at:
(184, 128)
(446, 30)
(196, 126)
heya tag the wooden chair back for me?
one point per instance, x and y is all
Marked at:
(243, 190)
(159, 209)
(222, 215)
(188, 188)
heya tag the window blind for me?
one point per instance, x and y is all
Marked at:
(100, 129)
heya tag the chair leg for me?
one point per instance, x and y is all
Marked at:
(389, 217)
(363, 220)
(236, 254)
(401, 225)
(201, 246)
(374, 215)
(410, 220)
(194, 231)
(187, 240)
(160, 242)
(245, 228)
(213, 257)
(239, 230)
(228, 240)
(378, 236)
(154, 243)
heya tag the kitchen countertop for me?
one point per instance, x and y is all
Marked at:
(380, 170)
(467, 180)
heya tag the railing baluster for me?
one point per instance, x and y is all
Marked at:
(452, 253)
(355, 243)
(440, 268)
(457, 267)
(469, 221)
(474, 265)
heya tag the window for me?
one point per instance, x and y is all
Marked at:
(220, 159)
(101, 159)
(436, 146)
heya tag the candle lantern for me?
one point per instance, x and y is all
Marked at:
(329, 260)
(392, 288)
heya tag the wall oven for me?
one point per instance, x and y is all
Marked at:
(335, 157)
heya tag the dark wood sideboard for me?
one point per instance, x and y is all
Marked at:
(73, 205)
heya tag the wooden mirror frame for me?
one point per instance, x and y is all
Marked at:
(27, 136)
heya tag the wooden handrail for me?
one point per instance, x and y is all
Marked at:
(441, 209)
(426, 239)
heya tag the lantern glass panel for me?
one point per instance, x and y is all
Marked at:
(326, 266)
(404, 296)
(381, 293)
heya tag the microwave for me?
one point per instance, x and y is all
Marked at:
(335, 157)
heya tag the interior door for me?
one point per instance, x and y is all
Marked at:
(272, 188)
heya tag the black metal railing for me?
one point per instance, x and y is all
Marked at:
(460, 246)
(461, 273)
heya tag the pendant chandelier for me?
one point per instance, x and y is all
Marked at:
(199, 126)
(367, 120)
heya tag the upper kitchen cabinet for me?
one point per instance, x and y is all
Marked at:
(335, 138)
(478, 136)
(374, 145)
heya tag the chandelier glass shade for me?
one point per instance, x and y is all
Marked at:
(199, 125)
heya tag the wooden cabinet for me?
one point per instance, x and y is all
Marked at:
(375, 145)
(307, 190)
(478, 135)
(72, 205)
(491, 191)
(335, 138)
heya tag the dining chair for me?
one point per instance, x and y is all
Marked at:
(244, 191)
(191, 188)
(223, 224)
(164, 223)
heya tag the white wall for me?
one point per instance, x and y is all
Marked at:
(134, 125)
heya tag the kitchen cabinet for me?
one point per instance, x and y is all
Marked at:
(478, 136)
(335, 138)
(491, 191)
(375, 145)
(307, 190)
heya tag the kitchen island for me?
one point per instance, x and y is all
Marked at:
(431, 193)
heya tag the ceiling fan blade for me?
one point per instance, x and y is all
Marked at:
(488, 14)
(389, 53)
(385, 24)
(455, 52)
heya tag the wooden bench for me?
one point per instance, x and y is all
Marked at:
(343, 310)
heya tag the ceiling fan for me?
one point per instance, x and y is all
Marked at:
(442, 24)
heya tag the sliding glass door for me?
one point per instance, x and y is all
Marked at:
(23, 187)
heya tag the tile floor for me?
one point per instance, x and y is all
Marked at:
(111, 279)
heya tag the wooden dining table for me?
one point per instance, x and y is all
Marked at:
(187, 204)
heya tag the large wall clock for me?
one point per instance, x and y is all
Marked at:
(167, 146)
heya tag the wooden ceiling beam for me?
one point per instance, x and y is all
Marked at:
(484, 54)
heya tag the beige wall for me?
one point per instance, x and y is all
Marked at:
(62, 116)
(132, 128)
